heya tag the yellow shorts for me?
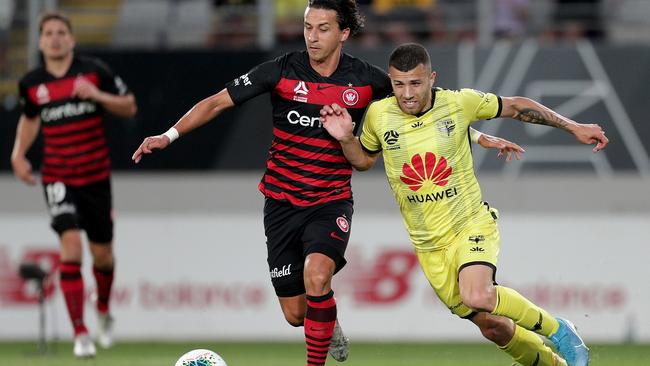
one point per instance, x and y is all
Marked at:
(479, 244)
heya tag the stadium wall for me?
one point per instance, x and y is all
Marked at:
(603, 84)
(191, 259)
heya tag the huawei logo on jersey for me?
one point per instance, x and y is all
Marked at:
(420, 171)
(300, 91)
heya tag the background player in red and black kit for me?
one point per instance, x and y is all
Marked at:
(67, 97)
(308, 205)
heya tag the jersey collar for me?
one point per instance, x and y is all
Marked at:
(433, 101)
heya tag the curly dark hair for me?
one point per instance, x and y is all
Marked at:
(347, 13)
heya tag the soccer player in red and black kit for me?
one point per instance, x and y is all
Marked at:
(67, 97)
(308, 204)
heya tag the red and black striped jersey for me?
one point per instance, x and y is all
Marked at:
(75, 149)
(306, 166)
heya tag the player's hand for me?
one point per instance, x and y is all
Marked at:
(84, 89)
(23, 169)
(506, 148)
(337, 121)
(589, 134)
(149, 144)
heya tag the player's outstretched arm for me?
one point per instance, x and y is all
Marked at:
(530, 111)
(25, 135)
(506, 148)
(338, 123)
(200, 114)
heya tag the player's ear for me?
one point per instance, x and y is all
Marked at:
(433, 77)
(345, 34)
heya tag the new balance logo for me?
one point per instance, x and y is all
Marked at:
(417, 124)
(477, 249)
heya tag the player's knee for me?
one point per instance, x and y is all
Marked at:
(317, 283)
(294, 318)
(482, 299)
(71, 248)
(317, 274)
(497, 329)
(296, 322)
(103, 259)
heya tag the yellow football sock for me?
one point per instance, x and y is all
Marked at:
(527, 349)
(523, 312)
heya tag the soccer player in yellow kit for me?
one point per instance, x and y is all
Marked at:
(422, 133)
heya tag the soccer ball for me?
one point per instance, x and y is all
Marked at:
(200, 357)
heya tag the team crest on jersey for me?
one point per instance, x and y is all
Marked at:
(446, 127)
(350, 97)
(343, 224)
(428, 169)
(42, 94)
(300, 92)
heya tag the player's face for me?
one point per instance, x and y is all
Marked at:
(322, 33)
(413, 88)
(56, 41)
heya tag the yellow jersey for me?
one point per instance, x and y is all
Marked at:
(428, 162)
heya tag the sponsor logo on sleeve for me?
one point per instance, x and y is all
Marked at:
(244, 79)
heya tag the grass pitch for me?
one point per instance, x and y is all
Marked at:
(283, 354)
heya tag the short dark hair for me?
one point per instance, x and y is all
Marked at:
(46, 17)
(347, 13)
(408, 56)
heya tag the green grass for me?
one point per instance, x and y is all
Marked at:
(283, 354)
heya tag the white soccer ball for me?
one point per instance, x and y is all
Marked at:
(200, 357)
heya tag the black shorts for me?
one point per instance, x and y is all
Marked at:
(88, 207)
(293, 232)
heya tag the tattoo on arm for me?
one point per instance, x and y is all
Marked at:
(541, 117)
